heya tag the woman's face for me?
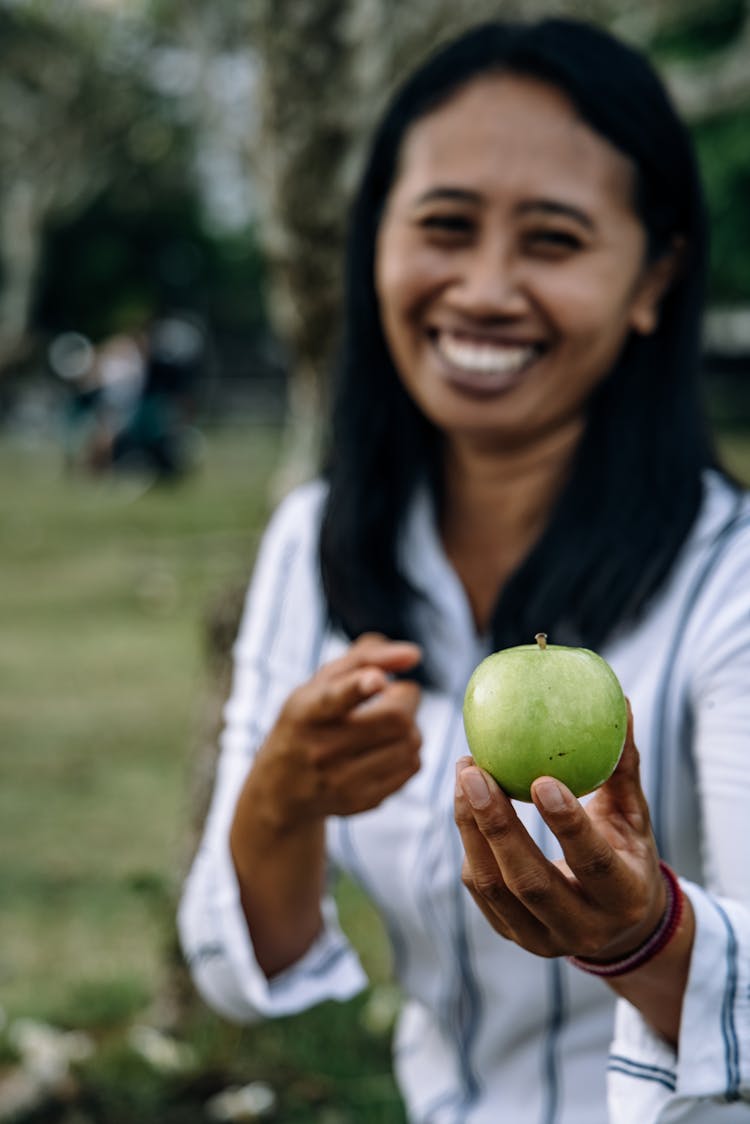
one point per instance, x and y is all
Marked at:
(510, 262)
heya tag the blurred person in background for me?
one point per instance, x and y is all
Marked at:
(518, 443)
(71, 358)
(158, 436)
(130, 402)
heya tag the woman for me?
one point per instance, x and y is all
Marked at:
(518, 443)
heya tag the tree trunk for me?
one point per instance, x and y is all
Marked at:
(305, 140)
(20, 239)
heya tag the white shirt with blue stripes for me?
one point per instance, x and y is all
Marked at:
(490, 1034)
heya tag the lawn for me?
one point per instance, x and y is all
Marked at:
(106, 694)
(103, 598)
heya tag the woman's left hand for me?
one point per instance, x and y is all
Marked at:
(601, 901)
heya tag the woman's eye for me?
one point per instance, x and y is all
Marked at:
(447, 224)
(557, 241)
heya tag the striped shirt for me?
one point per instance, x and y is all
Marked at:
(488, 1033)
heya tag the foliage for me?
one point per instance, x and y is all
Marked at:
(131, 255)
(73, 114)
(698, 33)
(149, 109)
(121, 145)
(702, 37)
(724, 153)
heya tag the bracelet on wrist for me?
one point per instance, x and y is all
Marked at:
(658, 940)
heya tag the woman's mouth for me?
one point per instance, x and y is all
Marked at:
(482, 365)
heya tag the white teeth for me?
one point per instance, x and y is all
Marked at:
(484, 357)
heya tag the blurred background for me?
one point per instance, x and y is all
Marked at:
(173, 188)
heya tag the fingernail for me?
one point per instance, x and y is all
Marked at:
(371, 681)
(475, 788)
(550, 795)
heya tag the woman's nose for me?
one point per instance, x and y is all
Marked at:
(490, 284)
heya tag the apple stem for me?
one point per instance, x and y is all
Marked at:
(541, 639)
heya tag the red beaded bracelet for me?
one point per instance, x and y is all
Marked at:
(661, 936)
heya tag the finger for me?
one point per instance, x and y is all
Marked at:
(631, 891)
(495, 916)
(332, 699)
(365, 781)
(526, 872)
(515, 924)
(480, 873)
(622, 793)
(399, 698)
(386, 716)
(369, 723)
(483, 878)
(389, 655)
(601, 872)
(369, 728)
(480, 861)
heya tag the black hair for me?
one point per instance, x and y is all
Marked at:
(635, 486)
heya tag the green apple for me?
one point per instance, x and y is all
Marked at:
(545, 710)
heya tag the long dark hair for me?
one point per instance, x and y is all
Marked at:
(635, 485)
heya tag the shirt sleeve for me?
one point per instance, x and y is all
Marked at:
(277, 648)
(650, 1083)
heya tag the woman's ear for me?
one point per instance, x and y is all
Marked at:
(653, 286)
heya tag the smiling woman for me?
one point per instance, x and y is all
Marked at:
(511, 266)
(518, 444)
(511, 258)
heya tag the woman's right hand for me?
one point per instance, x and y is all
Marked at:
(344, 740)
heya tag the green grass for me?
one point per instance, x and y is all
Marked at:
(103, 598)
(105, 696)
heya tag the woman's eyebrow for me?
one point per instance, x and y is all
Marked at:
(450, 194)
(555, 207)
(546, 206)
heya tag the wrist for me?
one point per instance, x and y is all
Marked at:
(658, 940)
(265, 820)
